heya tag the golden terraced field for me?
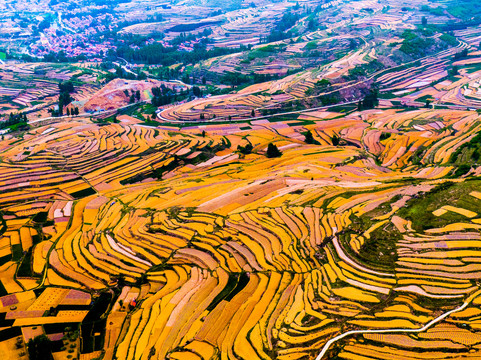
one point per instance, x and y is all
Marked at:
(201, 252)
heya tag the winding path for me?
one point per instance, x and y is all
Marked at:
(398, 330)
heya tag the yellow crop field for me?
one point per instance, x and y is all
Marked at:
(198, 251)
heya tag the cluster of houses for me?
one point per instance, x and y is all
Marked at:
(74, 38)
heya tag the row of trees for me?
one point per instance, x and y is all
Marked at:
(281, 30)
(157, 53)
(164, 95)
(134, 96)
(272, 150)
(234, 78)
(309, 139)
(64, 98)
(74, 111)
(15, 121)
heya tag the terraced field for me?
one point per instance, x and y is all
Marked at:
(301, 183)
(155, 243)
(33, 87)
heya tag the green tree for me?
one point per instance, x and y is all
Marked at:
(40, 348)
(66, 87)
(370, 100)
(196, 91)
(273, 151)
(309, 139)
(352, 44)
(335, 140)
(454, 70)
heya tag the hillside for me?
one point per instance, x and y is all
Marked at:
(240, 180)
(280, 254)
